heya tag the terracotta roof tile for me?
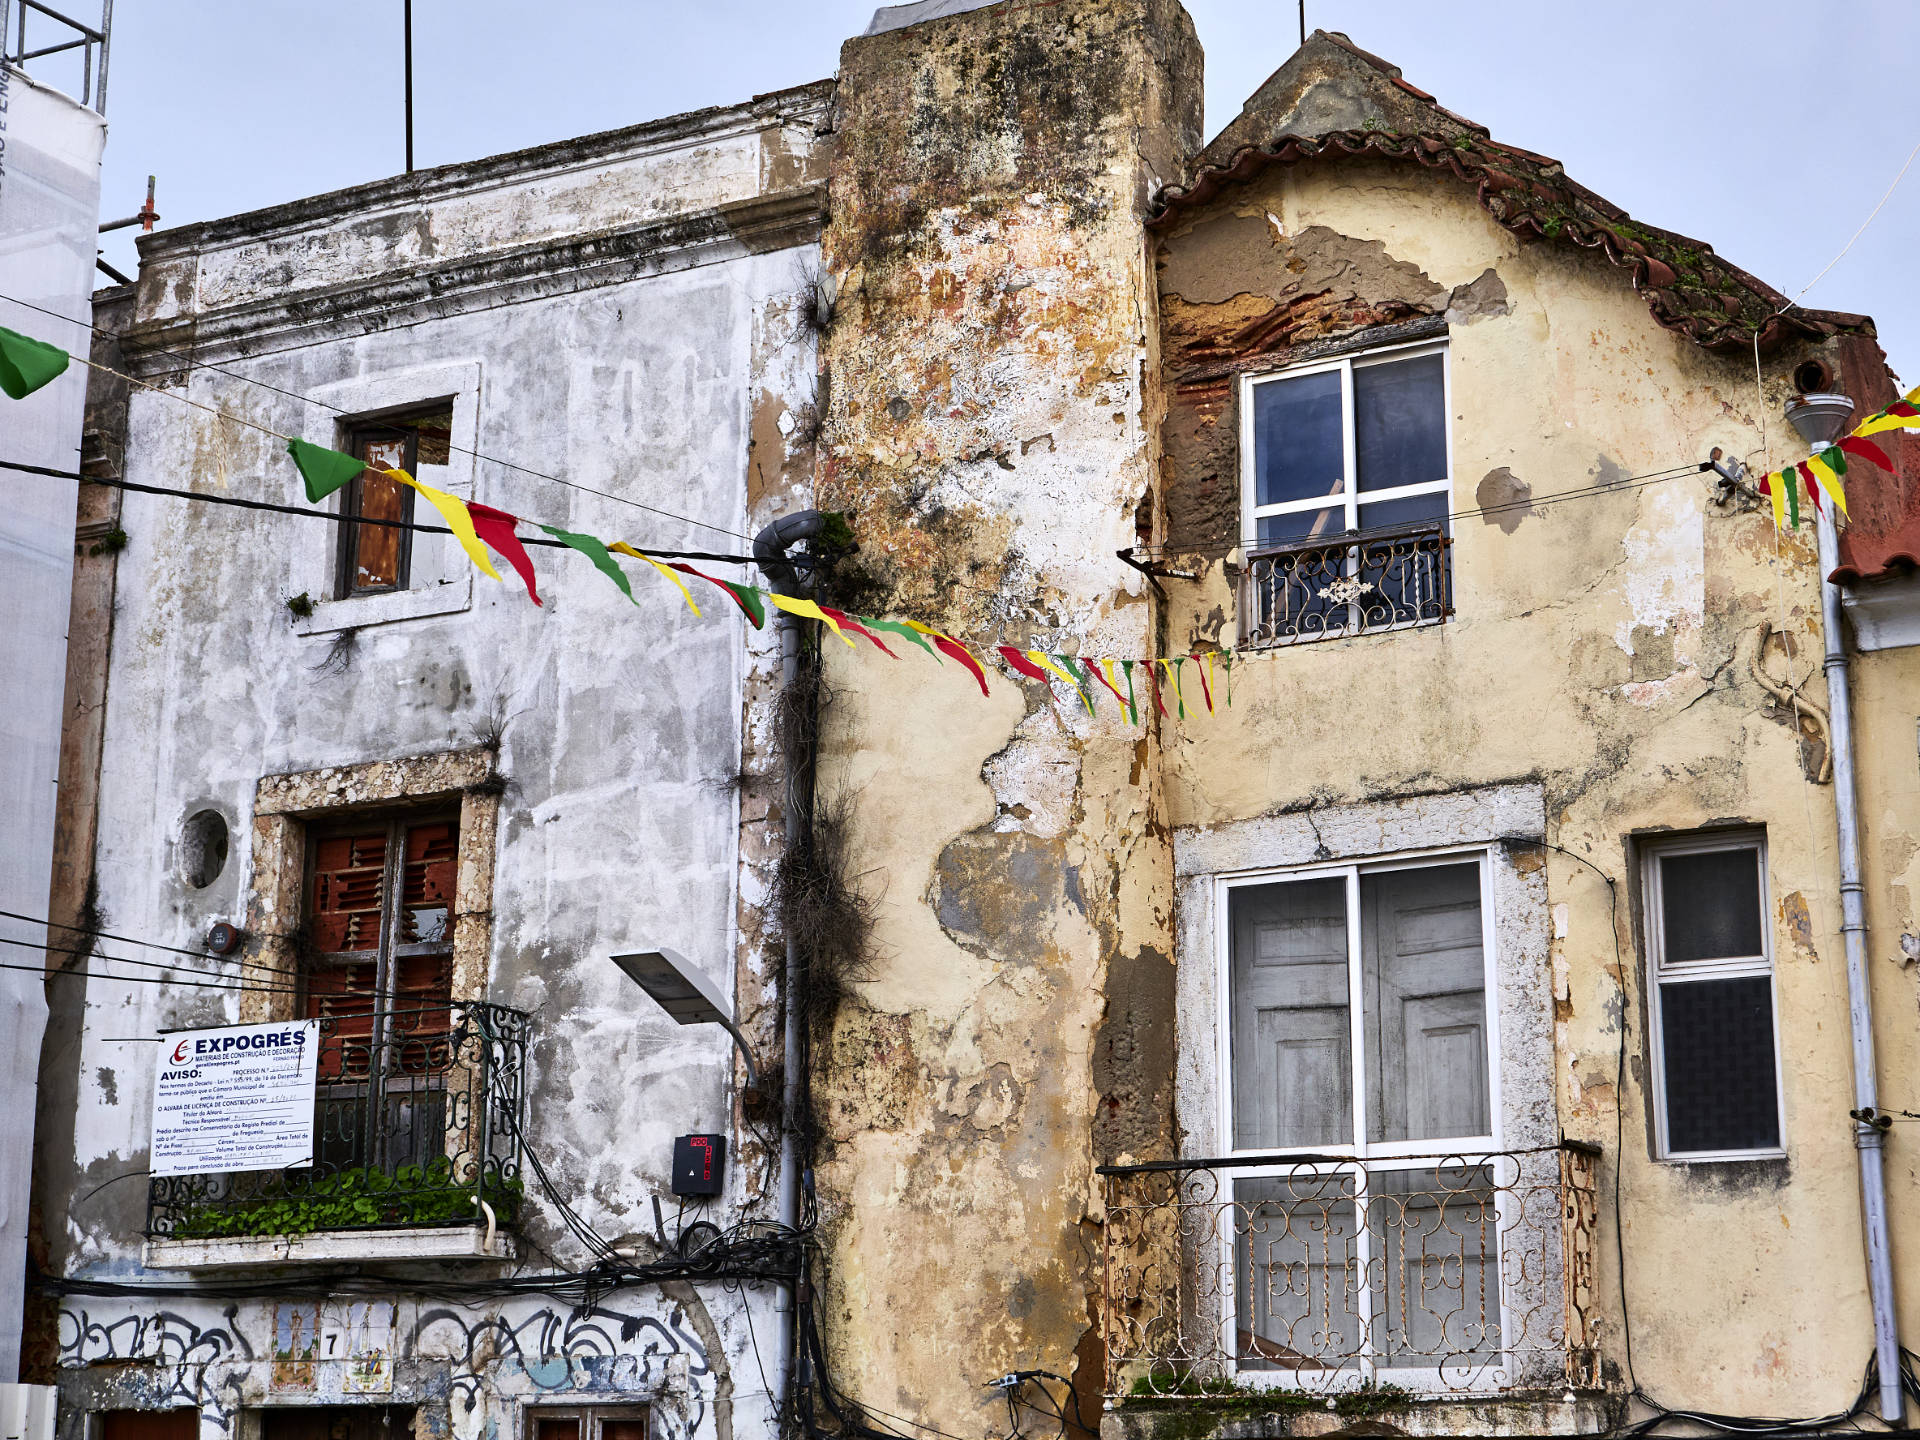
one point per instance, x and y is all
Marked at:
(1688, 288)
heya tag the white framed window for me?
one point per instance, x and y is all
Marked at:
(1361, 1053)
(1713, 1020)
(1362, 443)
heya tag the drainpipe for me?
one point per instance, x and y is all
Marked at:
(1821, 419)
(770, 548)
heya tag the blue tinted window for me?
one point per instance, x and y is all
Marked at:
(1400, 423)
(1296, 438)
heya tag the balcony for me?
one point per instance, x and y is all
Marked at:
(1437, 1276)
(417, 1155)
(1355, 585)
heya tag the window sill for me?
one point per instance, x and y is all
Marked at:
(446, 597)
(1552, 1412)
(439, 1243)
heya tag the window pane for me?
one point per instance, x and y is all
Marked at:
(1716, 1038)
(1292, 1051)
(1436, 1248)
(556, 1428)
(1424, 973)
(427, 884)
(1297, 1264)
(348, 873)
(623, 1430)
(1407, 511)
(1710, 905)
(1296, 438)
(1400, 422)
(1325, 524)
(377, 546)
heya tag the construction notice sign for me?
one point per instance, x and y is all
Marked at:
(236, 1098)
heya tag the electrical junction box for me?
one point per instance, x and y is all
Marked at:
(699, 1161)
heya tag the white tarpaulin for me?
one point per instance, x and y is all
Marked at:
(49, 227)
(236, 1098)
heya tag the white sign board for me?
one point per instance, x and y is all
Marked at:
(236, 1098)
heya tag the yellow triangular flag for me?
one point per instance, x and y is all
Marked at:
(685, 594)
(454, 511)
(806, 610)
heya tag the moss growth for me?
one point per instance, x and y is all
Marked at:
(353, 1199)
(1199, 1403)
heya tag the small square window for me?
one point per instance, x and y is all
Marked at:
(378, 558)
(1716, 1072)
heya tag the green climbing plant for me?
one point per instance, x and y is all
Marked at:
(354, 1199)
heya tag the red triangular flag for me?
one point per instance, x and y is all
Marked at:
(495, 527)
(1813, 487)
(1866, 450)
(947, 645)
(1023, 666)
(847, 622)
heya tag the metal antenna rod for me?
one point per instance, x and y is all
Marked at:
(407, 7)
(1303, 22)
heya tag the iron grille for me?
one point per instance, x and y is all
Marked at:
(1438, 1273)
(418, 1117)
(1354, 585)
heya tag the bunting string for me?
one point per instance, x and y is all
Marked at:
(27, 364)
(1824, 472)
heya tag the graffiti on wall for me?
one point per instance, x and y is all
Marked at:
(350, 1348)
(178, 1356)
(589, 1347)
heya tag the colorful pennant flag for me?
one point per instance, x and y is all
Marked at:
(905, 631)
(1023, 666)
(847, 621)
(621, 547)
(807, 610)
(596, 551)
(324, 470)
(495, 528)
(747, 597)
(454, 511)
(26, 363)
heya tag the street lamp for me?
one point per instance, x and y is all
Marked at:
(680, 989)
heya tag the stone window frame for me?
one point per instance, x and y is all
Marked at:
(286, 808)
(1506, 824)
(1506, 821)
(441, 579)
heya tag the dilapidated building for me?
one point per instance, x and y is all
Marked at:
(1442, 1017)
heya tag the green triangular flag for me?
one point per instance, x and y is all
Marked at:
(906, 632)
(596, 551)
(324, 470)
(26, 364)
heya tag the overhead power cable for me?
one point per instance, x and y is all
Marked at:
(103, 934)
(339, 519)
(194, 364)
(1595, 491)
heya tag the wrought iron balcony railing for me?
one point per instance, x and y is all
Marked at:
(1352, 585)
(1438, 1274)
(418, 1118)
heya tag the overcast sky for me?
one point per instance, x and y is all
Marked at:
(1768, 129)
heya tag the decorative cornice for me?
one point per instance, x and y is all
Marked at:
(431, 292)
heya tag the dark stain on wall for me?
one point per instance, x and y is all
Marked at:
(1133, 1060)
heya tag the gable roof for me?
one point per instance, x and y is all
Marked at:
(1333, 99)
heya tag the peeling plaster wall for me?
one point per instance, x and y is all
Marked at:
(992, 422)
(1603, 655)
(634, 739)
